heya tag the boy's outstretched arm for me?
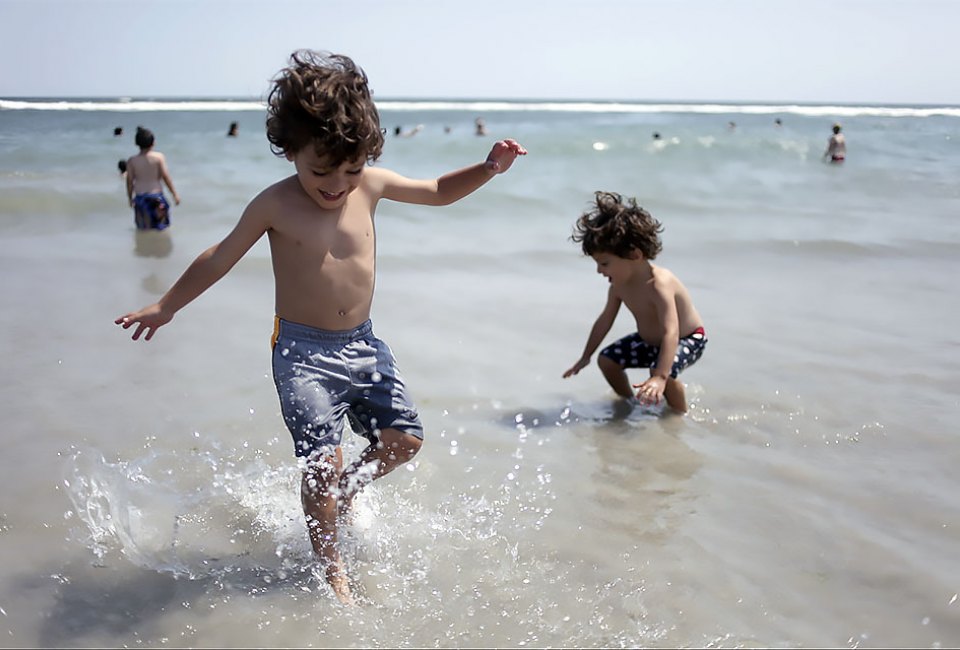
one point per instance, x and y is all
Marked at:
(454, 185)
(203, 272)
(599, 330)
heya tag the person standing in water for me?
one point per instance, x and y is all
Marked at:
(836, 146)
(146, 174)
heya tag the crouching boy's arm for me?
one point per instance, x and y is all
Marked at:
(652, 389)
(597, 333)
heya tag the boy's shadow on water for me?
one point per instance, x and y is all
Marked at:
(106, 604)
(621, 415)
(109, 606)
(642, 467)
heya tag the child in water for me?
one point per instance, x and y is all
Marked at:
(145, 174)
(328, 365)
(623, 239)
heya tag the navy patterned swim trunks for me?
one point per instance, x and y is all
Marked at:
(151, 211)
(633, 352)
(324, 377)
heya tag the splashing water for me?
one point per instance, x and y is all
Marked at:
(459, 566)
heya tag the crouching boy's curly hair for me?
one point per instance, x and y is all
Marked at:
(618, 226)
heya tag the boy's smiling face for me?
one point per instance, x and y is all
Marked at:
(328, 186)
(616, 269)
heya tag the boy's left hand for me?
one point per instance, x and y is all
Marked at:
(503, 154)
(650, 391)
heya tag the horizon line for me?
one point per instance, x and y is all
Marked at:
(478, 99)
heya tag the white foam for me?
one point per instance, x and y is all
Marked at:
(485, 106)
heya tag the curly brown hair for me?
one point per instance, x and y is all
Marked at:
(323, 99)
(618, 226)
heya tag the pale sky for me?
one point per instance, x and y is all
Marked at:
(829, 51)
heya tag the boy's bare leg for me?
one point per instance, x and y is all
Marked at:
(394, 449)
(675, 395)
(615, 376)
(318, 494)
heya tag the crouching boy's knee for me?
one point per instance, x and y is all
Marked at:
(606, 364)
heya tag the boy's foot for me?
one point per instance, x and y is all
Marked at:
(336, 576)
(624, 406)
(338, 582)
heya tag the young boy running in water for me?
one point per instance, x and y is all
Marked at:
(327, 363)
(623, 238)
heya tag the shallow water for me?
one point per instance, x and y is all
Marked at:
(150, 491)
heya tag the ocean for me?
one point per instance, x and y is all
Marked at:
(149, 492)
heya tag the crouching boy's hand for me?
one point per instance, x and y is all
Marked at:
(577, 367)
(650, 391)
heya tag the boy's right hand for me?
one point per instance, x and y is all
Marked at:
(503, 154)
(577, 367)
(147, 320)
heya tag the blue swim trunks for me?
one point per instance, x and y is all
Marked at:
(633, 352)
(151, 211)
(324, 377)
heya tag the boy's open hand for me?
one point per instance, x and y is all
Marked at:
(147, 320)
(503, 154)
(650, 391)
(577, 367)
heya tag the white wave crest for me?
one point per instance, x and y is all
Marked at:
(493, 106)
(131, 106)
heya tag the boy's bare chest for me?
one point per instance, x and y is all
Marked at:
(341, 235)
(643, 307)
